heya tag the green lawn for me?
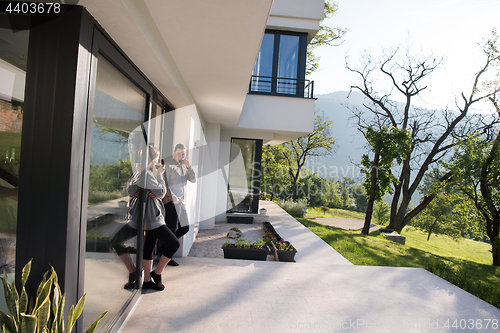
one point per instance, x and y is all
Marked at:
(465, 263)
(335, 213)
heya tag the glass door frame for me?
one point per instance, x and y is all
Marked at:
(103, 46)
(256, 175)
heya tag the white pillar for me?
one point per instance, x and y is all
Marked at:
(210, 172)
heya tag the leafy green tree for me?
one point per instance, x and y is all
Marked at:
(296, 152)
(359, 195)
(325, 36)
(433, 133)
(345, 185)
(274, 173)
(448, 214)
(387, 146)
(315, 189)
(381, 212)
(476, 172)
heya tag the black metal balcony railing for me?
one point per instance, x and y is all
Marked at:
(281, 86)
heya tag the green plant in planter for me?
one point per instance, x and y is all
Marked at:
(97, 235)
(269, 237)
(258, 243)
(43, 314)
(284, 246)
(243, 243)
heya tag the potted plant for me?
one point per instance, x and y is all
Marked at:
(234, 233)
(244, 249)
(270, 236)
(43, 312)
(283, 251)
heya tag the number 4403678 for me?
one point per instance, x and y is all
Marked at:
(472, 324)
(32, 8)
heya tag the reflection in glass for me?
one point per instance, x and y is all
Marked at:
(288, 64)
(118, 109)
(263, 70)
(13, 61)
(242, 175)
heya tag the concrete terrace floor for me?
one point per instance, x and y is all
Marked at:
(320, 292)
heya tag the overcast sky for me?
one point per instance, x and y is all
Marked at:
(451, 29)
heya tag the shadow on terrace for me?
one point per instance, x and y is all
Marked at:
(321, 290)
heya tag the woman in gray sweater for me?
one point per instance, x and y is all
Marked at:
(152, 181)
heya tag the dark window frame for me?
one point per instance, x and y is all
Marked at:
(301, 65)
(53, 181)
(257, 172)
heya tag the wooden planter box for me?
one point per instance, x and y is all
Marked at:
(245, 253)
(286, 256)
(267, 226)
(99, 245)
(240, 219)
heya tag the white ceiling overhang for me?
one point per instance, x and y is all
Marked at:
(193, 51)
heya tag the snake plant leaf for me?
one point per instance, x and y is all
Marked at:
(23, 302)
(75, 313)
(43, 295)
(92, 327)
(28, 323)
(12, 301)
(56, 298)
(7, 323)
(58, 325)
(43, 315)
(7, 290)
(43, 284)
(26, 273)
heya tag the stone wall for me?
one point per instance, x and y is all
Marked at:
(11, 117)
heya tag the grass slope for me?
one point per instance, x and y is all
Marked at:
(334, 213)
(464, 263)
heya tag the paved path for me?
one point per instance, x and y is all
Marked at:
(321, 292)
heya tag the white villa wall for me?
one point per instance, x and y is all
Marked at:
(222, 180)
(278, 113)
(297, 15)
(211, 174)
(303, 9)
(188, 130)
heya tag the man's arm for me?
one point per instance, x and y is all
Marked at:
(191, 175)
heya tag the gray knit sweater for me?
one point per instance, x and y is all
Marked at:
(155, 212)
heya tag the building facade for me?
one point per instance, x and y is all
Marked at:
(221, 77)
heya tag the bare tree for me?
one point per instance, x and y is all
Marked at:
(433, 132)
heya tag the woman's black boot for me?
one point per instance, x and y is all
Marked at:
(131, 281)
(157, 279)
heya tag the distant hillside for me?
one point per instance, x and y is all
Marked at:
(350, 142)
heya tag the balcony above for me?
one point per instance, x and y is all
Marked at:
(277, 86)
(283, 117)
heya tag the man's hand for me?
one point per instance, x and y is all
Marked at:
(186, 163)
(136, 194)
(152, 196)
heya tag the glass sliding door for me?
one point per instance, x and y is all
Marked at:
(281, 64)
(119, 108)
(13, 63)
(263, 70)
(288, 64)
(244, 175)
